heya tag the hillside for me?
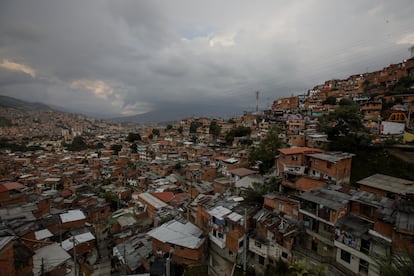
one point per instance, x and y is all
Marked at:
(10, 102)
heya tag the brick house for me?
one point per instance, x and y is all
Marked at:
(181, 238)
(11, 193)
(7, 256)
(333, 167)
(293, 165)
(72, 219)
(389, 186)
(272, 239)
(320, 209)
(282, 204)
(365, 233)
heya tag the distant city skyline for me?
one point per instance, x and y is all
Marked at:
(121, 58)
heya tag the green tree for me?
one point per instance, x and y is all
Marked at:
(133, 148)
(194, 126)
(255, 192)
(156, 132)
(264, 155)
(169, 127)
(298, 269)
(239, 131)
(330, 100)
(343, 102)
(214, 129)
(132, 137)
(345, 129)
(78, 144)
(116, 148)
(397, 265)
(280, 268)
(180, 130)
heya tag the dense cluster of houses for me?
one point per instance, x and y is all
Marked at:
(152, 214)
(178, 197)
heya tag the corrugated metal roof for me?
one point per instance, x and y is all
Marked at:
(219, 212)
(234, 217)
(152, 200)
(51, 256)
(43, 234)
(72, 215)
(388, 183)
(179, 233)
(332, 156)
(81, 238)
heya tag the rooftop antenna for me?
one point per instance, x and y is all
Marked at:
(257, 101)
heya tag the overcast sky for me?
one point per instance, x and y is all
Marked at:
(119, 58)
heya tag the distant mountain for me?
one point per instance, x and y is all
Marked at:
(10, 102)
(177, 111)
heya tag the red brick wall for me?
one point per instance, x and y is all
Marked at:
(373, 190)
(73, 224)
(233, 236)
(288, 207)
(180, 255)
(341, 170)
(306, 184)
(7, 260)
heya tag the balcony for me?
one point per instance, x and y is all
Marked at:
(218, 241)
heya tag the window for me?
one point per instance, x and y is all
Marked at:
(363, 266)
(281, 207)
(241, 243)
(329, 165)
(345, 256)
(294, 158)
(365, 245)
(284, 255)
(258, 244)
(261, 260)
(367, 210)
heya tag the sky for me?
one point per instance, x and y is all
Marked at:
(189, 57)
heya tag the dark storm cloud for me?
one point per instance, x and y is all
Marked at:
(127, 57)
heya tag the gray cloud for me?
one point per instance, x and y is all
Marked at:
(123, 57)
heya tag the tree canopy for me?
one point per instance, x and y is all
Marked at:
(155, 132)
(264, 155)
(214, 129)
(194, 126)
(345, 129)
(78, 144)
(132, 137)
(239, 131)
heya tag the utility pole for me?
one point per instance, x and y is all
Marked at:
(43, 267)
(74, 255)
(245, 243)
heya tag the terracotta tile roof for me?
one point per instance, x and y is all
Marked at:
(164, 196)
(287, 151)
(180, 196)
(66, 193)
(7, 186)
